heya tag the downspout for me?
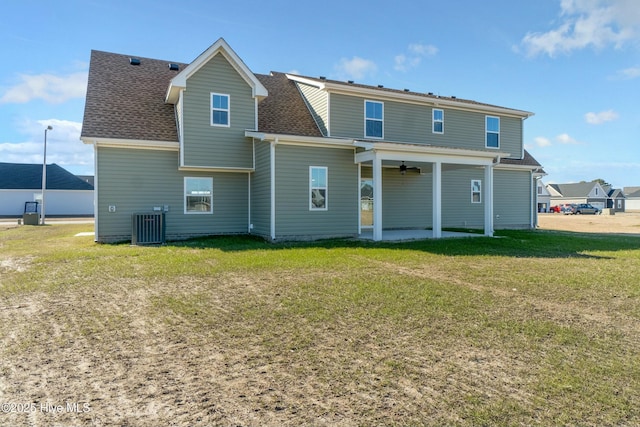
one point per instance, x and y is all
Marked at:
(272, 155)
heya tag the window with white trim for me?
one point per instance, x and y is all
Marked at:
(438, 121)
(198, 195)
(373, 119)
(318, 188)
(492, 127)
(476, 191)
(220, 110)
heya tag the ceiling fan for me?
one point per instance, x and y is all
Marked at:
(404, 168)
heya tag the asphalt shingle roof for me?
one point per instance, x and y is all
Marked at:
(24, 176)
(127, 101)
(580, 189)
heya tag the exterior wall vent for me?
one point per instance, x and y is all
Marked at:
(134, 61)
(148, 228)
(174, 67)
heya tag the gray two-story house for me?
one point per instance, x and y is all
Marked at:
(221, 150)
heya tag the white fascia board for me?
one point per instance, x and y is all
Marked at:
(132, 143)
(427, 154)
(409, 98)
(315, 141)
(517, 167)
(310, 82)
(179, 82)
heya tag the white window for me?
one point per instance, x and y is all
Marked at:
(492, 126)
(220, 113)
(438, 121)
(476, 191)
(318, 186)
(373, 119)
(198, 195)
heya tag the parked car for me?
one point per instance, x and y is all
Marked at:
(586, 209)
(569, 209)
(554, 209)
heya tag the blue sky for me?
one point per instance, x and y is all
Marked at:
(574, 63)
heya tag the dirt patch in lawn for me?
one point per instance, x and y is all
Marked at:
(620, 223)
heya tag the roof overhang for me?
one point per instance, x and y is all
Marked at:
(131, 143)
(318, 141)
(179, 82)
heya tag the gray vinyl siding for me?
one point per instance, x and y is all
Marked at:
(216, 146)
(512, 199)
(412, 123)
(317, 101)
(293, 217)
(406, 199)
(457, 209)
(138, 180)
(261, 191)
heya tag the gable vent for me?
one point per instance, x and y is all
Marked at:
(174, 67)
(134, 61)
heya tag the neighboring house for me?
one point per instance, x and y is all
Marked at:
(221, 150)
(593, 192)
(632, 195)
(616, 199)
(66, 195)
(544, 197)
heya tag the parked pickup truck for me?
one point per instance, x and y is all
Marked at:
(585, 209)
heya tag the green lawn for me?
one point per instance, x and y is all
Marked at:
(531, 328)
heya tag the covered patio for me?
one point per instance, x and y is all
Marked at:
(375, 153)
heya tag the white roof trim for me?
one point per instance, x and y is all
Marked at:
(179, 82)
(132, 143)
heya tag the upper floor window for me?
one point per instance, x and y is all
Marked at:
(220, 110)
(492, 126)
(198, 194)
(373, 119)
(318, 185)
(438, 121)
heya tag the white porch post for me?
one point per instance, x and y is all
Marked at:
(436, 223)
(488, 200)
(377, 197)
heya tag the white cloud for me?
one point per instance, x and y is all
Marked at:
(588, 23)
(63, 146)
(48, 87)
(564, 138)
(601, 117)
(542, 141)
(356, 67)
(416, 52)
(629, 73)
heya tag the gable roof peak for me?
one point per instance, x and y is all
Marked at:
(219, 47)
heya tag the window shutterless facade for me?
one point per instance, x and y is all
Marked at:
(476, 191)
(438, 121)
(492, 128)
(318, 188)
(373, 119)
(198, 195)
(220, 110)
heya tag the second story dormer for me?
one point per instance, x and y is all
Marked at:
(350, 110)
(216, 99)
